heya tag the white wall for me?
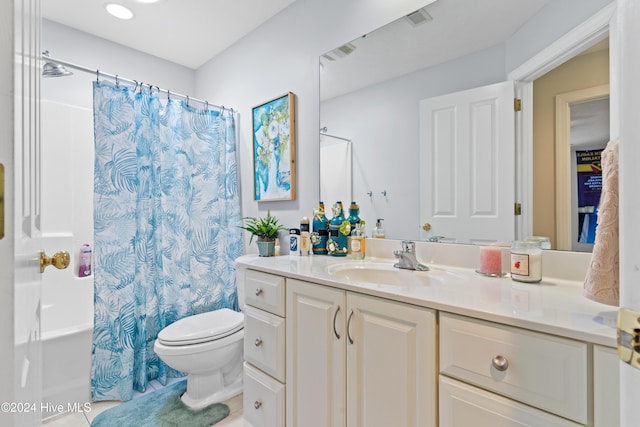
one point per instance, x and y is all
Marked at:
(553, 21)
(83, 49)
(281, 56)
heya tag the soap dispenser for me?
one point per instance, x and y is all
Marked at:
(378, 231)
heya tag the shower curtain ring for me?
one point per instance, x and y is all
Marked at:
(97, 76)
(117, 81)
(168, 95)
(187, 100)
(206, 105)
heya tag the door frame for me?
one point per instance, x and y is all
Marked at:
(585, 35)
(564, 213)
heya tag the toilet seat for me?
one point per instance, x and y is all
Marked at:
(202, 328)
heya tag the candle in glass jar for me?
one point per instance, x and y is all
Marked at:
(526, 261)
(491, 260)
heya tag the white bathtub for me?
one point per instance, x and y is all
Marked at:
(66, 332)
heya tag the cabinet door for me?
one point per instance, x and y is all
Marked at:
(606, 387)
(391, 363)
(315, 355)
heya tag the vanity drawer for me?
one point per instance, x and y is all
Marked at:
(541, 370)
(265, 291)
(264, 337)
(263, 399)
(462, 405)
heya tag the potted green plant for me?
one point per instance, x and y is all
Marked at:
(266, 230)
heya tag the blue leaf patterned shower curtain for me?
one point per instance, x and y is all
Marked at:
(167, 210)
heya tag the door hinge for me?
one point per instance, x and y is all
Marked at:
(517, 104)
(517, 209)
(629, 337)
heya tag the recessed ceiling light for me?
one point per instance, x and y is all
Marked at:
(119, 11)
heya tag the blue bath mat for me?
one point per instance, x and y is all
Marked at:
(161, 408)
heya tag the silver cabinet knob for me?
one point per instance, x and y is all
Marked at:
(258, 342)
(500, 363)
(258, 292)
(257, 404)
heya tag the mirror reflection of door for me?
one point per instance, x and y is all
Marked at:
(467, 171)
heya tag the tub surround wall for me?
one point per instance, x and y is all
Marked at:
(67, 224)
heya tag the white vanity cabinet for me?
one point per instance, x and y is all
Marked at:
(358, 360)
(322, 353)
(264, 349)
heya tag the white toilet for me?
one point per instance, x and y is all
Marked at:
(208, 347)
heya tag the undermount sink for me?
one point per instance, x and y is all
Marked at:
(383, 274)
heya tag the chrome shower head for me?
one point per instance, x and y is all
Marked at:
(51, 69)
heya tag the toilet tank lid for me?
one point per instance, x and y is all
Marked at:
(203, 327)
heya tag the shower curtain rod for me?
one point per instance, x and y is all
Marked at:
(118, 79)
(334, 136)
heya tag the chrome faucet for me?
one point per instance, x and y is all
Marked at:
(407, 257)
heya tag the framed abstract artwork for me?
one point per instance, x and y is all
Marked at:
(274, 149)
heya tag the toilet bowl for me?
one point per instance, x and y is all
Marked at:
(208, 347)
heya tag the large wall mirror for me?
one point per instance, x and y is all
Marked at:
(372, 89)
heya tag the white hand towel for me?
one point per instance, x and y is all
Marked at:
(603, 275)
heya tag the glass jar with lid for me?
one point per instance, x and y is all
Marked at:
(526, 261)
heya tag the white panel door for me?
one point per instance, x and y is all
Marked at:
(467, 164)
(391, 364)
(20, 283)
(315, 355)
(628, 32)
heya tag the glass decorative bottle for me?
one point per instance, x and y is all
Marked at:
(338, 232)
(354, 218)
(320, 233)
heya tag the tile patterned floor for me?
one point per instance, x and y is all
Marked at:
(83, 419)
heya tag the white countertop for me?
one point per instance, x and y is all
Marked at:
(554, 306)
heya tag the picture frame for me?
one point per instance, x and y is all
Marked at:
(274, 149)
